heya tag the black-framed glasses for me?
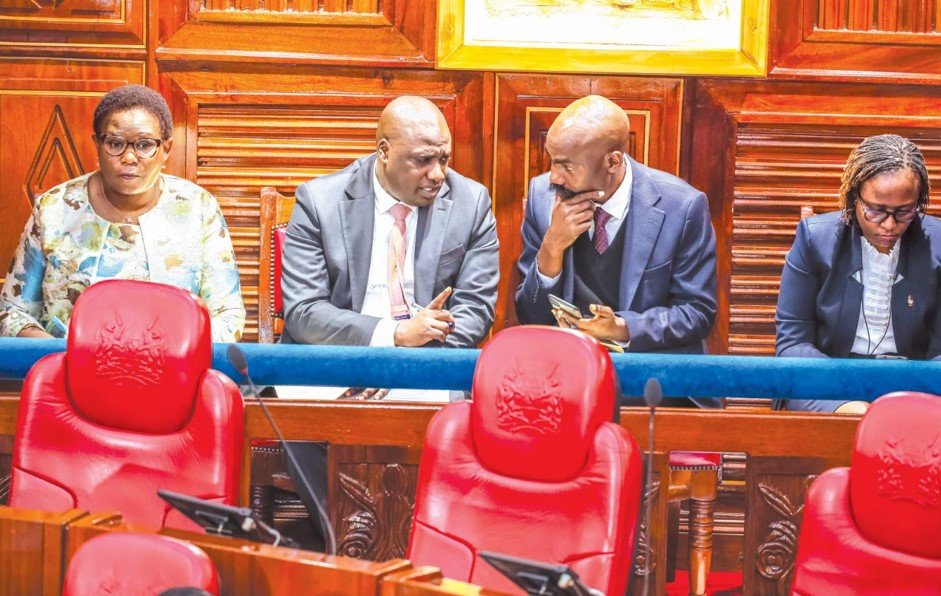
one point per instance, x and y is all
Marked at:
(116, 145)
(882, 214)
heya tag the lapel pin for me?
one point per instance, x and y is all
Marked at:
(911, 301)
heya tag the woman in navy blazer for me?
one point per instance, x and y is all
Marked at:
(883, 196)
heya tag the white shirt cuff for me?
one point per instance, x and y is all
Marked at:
(547, 281)
(383, 336)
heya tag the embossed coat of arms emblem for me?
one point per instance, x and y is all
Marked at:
(130, 356)
(529, 403)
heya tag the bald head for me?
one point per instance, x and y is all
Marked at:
(592, 120)
(586, 146)
(413, 147)
(409, 113)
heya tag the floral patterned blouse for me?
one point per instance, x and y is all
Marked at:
(183, 241)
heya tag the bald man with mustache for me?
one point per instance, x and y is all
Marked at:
(396, 249)
(632, 247)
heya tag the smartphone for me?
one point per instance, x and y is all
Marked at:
(566, 307)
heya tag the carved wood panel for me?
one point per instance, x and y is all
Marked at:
(763, 153)
(888, 40)
(282, 130)
(389, 33)
(649, 568)
(371, 496)
(46, 110)
(526, 107)
(776, 490)
(66, 25)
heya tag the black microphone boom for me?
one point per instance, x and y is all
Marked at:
(240, 363)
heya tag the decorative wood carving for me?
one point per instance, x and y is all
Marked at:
(766, 150)
(390, 33)
(282, 130)
(56, 158)
(526, 107)
(648, 573)
(378, 526)
(371, 497)
(644, 561)
(775, 556)
(776, 490)
(888, 40)
(46, 110)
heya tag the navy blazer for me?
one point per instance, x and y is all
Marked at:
(819, 301)
(668, 270)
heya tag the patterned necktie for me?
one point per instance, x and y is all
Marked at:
(600, 239)
(396, 262)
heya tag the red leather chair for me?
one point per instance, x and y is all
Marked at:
(138, 564)
(130, 407)
(875, 527)
(532, 467)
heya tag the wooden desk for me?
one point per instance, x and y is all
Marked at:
(36, 548)
(783, 452)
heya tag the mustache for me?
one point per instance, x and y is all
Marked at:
(563, 192)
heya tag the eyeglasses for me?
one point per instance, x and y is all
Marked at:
(882, 214)
(116, 145)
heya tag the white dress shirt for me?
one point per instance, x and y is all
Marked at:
(376, 302)
(874, 333)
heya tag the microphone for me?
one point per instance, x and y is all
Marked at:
(240, 363)
(653, 396)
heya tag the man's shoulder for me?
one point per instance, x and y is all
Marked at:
(330, 187)
(461, 185)
(671, 188)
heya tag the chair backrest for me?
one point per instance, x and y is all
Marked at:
(131, 406)
(274, 216)
(144, 564)
(874, 528)
(532, 467)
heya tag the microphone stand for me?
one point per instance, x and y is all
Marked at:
(240, 363)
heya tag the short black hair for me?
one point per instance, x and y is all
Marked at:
(874, 156)
(132, 97)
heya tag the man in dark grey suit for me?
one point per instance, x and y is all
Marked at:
(632, 247)
(337, 282)
(395, 249)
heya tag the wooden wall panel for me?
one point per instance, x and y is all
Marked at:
(766, 150)
(281, 130)
(46, 109)
(885, 40)
(69, 26)
(526, 107)
(274, 34)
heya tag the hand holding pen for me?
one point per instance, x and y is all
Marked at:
(429, 323)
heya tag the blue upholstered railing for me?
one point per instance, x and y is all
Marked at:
(695, 376)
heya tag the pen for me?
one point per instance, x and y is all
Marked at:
(418, 308)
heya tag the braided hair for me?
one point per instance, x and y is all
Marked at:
(132, 97)
(874, 156)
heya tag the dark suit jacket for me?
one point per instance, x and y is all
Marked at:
(328, 247)
(668, 270)
(819, 301)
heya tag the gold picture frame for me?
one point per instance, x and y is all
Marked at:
(746, 56)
